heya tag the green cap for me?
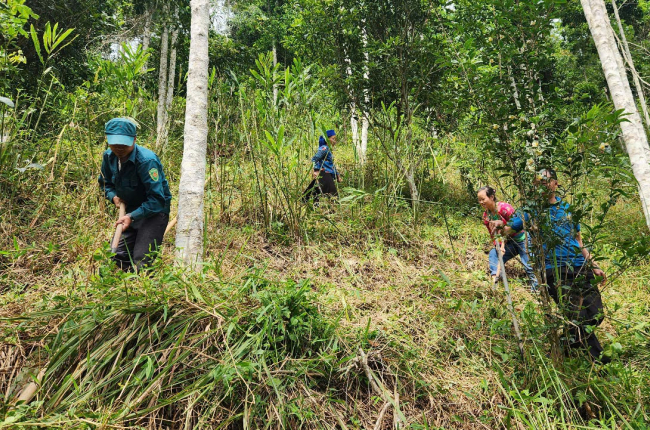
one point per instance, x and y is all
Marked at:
(120, 131)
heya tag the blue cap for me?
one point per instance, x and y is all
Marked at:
(330, 133)
(120, 131)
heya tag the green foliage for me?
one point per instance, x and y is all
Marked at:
(53, 41)
(278, 136)
(122, 78)
(14, 14)
(92, 20)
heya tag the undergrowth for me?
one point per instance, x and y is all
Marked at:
(377, 315)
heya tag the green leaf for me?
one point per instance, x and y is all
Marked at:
(196, 293)
(444, 277)
(37, 44)
(7, 101)
(47, 37)
(62, 38)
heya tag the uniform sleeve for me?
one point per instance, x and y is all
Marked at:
(150, 173)
(105, 180)
(319, 157)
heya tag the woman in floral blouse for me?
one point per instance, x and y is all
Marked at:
(496, 216)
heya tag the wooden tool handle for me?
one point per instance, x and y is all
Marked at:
(118, 230)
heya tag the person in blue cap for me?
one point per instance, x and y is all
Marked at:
(325, 173)
(133, 175)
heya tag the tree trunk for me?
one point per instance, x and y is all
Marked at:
(409, 175)
(415, 194)
(366, 98)
(162, 81)
(363, 146)
(354, 130)
(189, 231)
(172, 63)
(354, 123)
(635, 74)
(170, 87)
(633, 132)
(146, 33)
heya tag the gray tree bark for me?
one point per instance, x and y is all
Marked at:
(162, 80)
(634, 136)
(189, 231)
(146, 32)
(515, 92)
(365, 123)
(354, 122)
(164, 136)
(630, 62)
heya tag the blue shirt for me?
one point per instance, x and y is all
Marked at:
(565, 249)
(324, 160)
(141, 183)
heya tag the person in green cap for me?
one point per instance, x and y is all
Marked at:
(133, 175)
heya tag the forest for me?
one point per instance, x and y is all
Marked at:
(324, 214)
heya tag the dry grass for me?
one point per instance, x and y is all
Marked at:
(435, 334)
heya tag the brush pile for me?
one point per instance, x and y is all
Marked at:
(182, 357)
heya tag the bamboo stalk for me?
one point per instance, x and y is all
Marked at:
(28, 393)
(378, 387)
(56, 152)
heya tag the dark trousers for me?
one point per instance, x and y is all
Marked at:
(140, 242)
(580, 303)
(325, 184)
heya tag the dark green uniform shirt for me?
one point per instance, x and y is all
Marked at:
(141, 183)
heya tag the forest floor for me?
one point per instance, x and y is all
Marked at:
(414, 332)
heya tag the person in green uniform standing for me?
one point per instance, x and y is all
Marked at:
(133, 175)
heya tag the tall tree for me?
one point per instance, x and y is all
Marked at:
(628, 59)
(360, 141)
(146, 31)
(163, 135)
(634, 136)
(162, 74)
(189, 232)
(365, 122)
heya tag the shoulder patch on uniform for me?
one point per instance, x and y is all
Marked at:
(153, 172)
(323, 148)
